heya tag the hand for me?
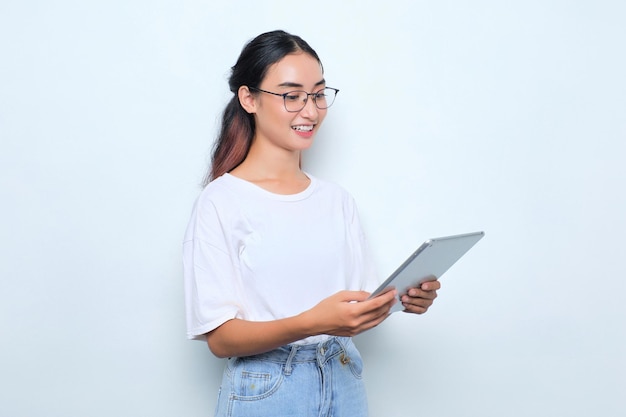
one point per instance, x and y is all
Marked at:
(418, 300)
(348, 313)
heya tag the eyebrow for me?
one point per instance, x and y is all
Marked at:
(296, 85)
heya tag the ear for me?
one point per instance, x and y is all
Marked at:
(247, 99)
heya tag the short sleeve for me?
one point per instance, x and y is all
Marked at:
(210, 273)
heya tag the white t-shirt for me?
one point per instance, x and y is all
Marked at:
(259, 256)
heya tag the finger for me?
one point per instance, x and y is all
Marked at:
(385, 310)
(364, 321)
(353, 295)
(416, 305)
(379, 301)
(417, 293)
(418, 301)
(374, 318)
(376, 309)
(411, 308)
(374, 322)
(430, 285)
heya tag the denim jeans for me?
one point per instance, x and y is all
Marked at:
(318, 380)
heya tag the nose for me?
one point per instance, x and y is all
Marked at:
(310, 109)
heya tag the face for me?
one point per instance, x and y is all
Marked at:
(274, 124)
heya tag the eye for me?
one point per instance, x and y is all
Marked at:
(321, 97)
(295, 96)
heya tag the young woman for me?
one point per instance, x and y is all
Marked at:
(276, 263)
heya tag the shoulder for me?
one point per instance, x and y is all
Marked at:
(334, 192)
(220, 191)
(331, 186)
(216, 200)
(327, 186)
(214, 209)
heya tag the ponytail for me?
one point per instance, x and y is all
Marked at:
(233, 142)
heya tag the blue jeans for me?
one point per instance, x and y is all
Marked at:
(318, 380)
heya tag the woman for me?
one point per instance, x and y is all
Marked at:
(275, 259)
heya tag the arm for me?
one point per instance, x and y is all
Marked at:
(336, 315)
(419, 299)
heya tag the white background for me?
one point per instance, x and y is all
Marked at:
(453, 116)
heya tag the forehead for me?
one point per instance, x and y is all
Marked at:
(294, 69)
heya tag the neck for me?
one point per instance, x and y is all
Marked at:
(262, 163)
(278, 172)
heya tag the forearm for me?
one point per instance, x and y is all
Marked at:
(337, 315)
(243, 338)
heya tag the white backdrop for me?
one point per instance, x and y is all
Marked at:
(453, 116)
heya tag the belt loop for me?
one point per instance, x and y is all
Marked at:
(294, 350)
(343, 342)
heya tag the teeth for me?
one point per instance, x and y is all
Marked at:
(303, 128)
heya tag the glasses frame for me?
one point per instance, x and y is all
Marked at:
(284, 96)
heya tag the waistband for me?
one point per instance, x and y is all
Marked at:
(316, 352)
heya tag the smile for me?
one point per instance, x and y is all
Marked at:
(303, 128)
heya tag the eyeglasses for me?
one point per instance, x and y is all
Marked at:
(296, 100)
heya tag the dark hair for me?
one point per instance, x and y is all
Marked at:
(237, 130)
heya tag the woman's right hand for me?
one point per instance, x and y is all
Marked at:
(348, 313)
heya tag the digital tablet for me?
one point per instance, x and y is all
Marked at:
(427, 263)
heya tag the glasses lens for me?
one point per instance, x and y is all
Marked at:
(295, 100)
(325, 98)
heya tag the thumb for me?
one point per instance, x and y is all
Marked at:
(348, 296)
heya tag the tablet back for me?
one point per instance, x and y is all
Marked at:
(430, 261)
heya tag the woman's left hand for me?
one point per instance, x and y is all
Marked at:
(418, 300)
